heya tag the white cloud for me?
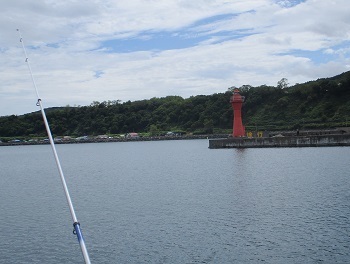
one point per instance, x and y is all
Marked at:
(238, 42)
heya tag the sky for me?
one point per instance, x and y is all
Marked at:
(82, 51)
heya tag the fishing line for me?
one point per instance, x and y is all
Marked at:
(76, 224)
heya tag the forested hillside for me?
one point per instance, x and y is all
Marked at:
(323, 103)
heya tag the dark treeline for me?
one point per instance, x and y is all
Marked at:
(324, 103)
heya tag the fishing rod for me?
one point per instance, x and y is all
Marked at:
(76, 224)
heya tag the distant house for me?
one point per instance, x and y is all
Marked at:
(132, 135)
(102, 137)
(174, 134)
(82, 138)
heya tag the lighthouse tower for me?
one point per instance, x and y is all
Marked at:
(236, 101)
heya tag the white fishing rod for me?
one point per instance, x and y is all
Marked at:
(76, 224)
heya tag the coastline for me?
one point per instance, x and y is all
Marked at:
(104, 140)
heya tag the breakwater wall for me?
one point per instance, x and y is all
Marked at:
(275, 142)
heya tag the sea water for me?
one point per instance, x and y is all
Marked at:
(175, 202)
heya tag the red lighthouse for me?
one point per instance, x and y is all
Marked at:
(236, 101)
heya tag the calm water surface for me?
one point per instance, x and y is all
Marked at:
(176, 202)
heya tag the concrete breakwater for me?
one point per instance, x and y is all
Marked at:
(274, 142)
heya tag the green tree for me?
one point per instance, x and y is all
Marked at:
(283, 83)
(153, 130)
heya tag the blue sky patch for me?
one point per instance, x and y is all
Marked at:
(324, 55)
(318, 57)
(289, 3)
(193, 35)
(160, 41)
(98, 74)
(52, 45)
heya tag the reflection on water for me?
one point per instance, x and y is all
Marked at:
(176, 202)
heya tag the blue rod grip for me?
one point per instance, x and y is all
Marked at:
(77, 231)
